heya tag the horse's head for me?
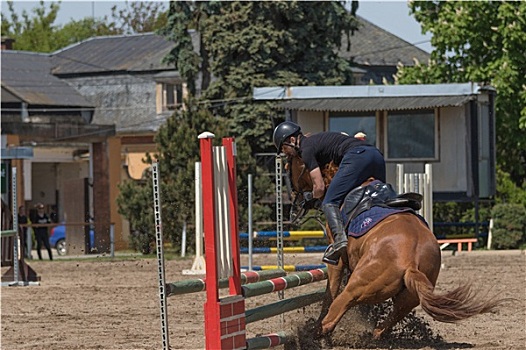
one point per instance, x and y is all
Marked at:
(300, 182)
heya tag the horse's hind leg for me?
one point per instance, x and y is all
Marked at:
(403, 303)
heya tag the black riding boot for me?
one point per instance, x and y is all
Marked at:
(335, 222)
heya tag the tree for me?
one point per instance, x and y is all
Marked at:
(243, 45)
(178, 150)
(39, 33)
(32, 33)
(255, 44)
(138, 17)
(481, 41)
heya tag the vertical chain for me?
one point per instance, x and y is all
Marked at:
(279, 218)
(16, 267)
(160, 256)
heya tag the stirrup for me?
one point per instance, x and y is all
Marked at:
(331, 256)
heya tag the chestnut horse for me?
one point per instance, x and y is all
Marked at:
(399, 258)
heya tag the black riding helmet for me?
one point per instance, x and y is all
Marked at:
(283, 131)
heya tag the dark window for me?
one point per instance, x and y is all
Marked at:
(412, 135)
(354, 123)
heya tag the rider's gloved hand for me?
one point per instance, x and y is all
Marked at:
(309, 202)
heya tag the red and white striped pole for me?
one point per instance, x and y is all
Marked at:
(224, 317)
(212, 306)
(231, 153)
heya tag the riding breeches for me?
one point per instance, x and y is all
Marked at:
(357, 165)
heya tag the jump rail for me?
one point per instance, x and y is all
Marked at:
(226, 317)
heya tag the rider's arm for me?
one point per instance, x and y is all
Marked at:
(318, 188)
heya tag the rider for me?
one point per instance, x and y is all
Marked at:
(356, 159)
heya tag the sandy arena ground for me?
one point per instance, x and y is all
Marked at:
(104, 304)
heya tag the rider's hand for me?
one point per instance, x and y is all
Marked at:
(309, 202)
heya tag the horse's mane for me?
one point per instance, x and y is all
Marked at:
(328, 173)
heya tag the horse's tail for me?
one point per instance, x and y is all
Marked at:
(452, 306)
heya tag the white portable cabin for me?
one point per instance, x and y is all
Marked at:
(451, 126)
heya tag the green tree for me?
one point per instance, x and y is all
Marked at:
(481, 41)
(243, 45)
(38, 32)
(255, 44)
(32, 33)
(250, 44)
(138, 17)
(178, 150)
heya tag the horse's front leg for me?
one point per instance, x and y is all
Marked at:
(335, 275)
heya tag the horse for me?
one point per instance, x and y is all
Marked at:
(399, 259)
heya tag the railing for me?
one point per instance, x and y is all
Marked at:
(467, 229)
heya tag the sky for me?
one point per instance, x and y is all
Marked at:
(392, 16)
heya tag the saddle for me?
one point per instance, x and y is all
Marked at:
(379, 194)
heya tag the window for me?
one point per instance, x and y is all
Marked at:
(169, 96)
(412, 135)
(172, 96)
(353, 123)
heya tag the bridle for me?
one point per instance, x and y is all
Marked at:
(297, 211)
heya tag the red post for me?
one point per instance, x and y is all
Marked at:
(235, 279)
(212, 304)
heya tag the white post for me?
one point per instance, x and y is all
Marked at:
(199, 265)
(250, 237)
(490, 233)
(112, 240)
(224, 259)
(183, 241)
(400, 178)
(428, 190)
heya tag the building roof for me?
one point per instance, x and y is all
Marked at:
(121, 53)
(374, 46)
(364, 98)
(371, 104)
(26, 78)
(370, 45)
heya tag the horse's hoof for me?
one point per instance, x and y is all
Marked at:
(324, 330)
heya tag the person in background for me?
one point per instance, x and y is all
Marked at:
(22, 220)
(41, 232)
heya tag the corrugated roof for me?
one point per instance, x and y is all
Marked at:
(370, 104)
(26, 75)
(143, 52)
(370, 45)
(374, 46)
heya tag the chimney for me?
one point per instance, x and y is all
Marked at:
(7, 43)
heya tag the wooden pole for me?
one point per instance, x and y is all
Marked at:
(282, 283)
(199, 284)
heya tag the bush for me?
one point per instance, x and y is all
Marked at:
(509, 226)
